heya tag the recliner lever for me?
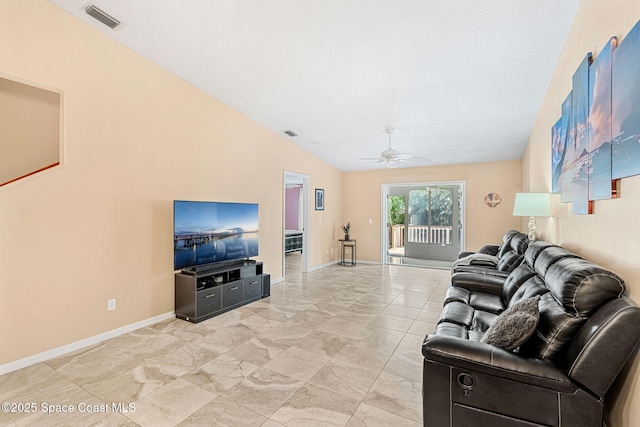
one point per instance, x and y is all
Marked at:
(467, 382)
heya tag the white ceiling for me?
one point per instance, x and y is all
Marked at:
(459, 81)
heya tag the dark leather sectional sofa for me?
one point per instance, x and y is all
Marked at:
(562, 364)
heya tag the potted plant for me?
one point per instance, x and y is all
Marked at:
(346, 229)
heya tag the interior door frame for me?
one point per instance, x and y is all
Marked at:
(385, 191)
(287, 177)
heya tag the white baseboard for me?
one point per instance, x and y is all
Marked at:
(321, 266)
(59, 351)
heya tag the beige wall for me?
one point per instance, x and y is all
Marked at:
(136, 137)
(362, 201)
(611, 236)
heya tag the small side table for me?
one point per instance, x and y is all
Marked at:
(348, 246)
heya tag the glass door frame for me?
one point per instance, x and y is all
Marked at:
(387, 189)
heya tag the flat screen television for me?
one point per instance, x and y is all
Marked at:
(213, 232)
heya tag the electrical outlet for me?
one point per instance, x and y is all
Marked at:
(111, 304)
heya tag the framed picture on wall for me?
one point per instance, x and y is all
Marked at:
(319, 199)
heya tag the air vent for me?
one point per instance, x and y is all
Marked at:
(290, 133)
(103, 17)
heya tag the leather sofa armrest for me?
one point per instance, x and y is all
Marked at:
(463, 254)
(489, 249)
(480, 281)
(485, 249)
(490, 360)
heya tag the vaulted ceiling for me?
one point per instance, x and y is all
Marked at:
(459, 81)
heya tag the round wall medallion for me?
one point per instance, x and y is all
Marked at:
(492, 200)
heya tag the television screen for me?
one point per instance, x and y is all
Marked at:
(209, 232)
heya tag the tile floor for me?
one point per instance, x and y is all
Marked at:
(335, 347)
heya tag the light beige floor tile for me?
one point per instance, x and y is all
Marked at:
(286, 334)
(220, 374)
(170, 404)
(313, 406)
(218, 340)
(344, 328)
(258, 351)
(349, 379)
(388, 321)
(401, 311)
(297, 363)
(272, 423)
(370, 416)
(408, 302)
(114, 420)
(322, 343)
(223, 412)
(362, 352)
(132, 385)
(93, 365)
(264, 391)
(182, 360)
(356, 316)
(428, 316)
(422, 328)
(397, 395)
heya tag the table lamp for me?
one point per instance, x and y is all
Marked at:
(532, 205)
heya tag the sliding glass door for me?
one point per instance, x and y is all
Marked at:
(432, 222)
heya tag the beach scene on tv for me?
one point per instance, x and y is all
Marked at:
(208, 232)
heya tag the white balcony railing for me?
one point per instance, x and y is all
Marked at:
(437, 235)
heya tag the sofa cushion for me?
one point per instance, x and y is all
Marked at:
(452, 330)
(482, 320)
(455, 293)
(513, 282)
(487, 302)
(515, 325)
(555, 330)
(458, 313)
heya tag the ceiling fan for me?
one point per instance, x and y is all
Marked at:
(391, 156)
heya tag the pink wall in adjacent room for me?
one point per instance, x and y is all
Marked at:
(292, 208)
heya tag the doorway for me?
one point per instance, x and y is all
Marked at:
(295, 220)
(424, 223)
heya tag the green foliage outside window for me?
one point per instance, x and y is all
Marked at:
(396, 210)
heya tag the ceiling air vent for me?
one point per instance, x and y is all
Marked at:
(290, 133)
(103, 17)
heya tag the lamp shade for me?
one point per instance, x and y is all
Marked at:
(532, 204)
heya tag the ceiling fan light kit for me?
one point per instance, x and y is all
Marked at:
(392, 156)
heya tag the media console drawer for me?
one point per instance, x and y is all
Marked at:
(253, 287)
(231, 294)
(209, 300)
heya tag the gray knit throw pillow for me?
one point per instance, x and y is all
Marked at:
(514, 326)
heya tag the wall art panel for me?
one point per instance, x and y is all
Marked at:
(626, 106)
(600, 82)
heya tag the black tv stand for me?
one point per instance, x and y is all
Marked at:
(207, 291)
